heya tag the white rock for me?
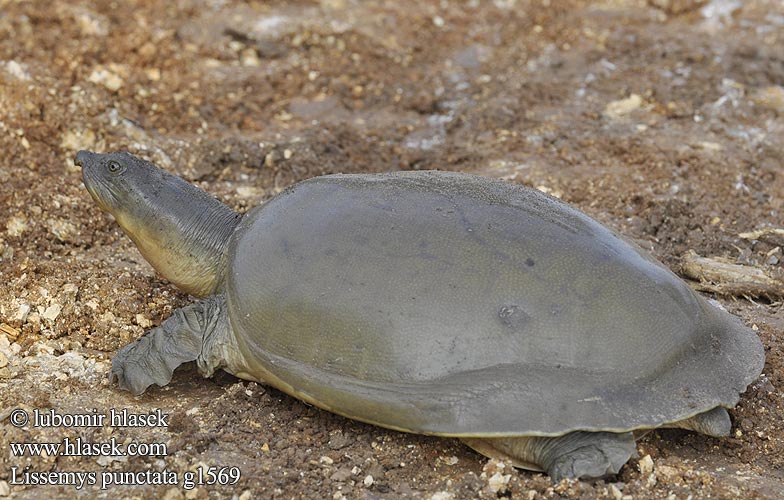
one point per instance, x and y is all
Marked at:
(104, 461)
(61, 229)
(248, 191)
(16, 70)
(646, 465)
(16, 226)
(5, 490)
(498, 482)
(710, 146)
(623, 107)
(90, 24)
(78, 139)
(368, 482)
(143, 321)
(108, 79)
(52, 312)
(249, 58)
(24, 310)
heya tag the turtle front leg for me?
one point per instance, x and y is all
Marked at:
(192, 333)
(575, 455)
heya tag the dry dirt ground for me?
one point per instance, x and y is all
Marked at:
(662, 119)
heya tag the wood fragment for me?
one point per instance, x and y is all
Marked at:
(724, 277)
(9, 331)
(762, 232)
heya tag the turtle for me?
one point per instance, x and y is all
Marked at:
(432, 302)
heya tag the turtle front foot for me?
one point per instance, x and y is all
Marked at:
(153, 358)
(195, 332)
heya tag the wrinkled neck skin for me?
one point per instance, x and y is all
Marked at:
(184, 233)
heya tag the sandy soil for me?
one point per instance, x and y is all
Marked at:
(662, 119)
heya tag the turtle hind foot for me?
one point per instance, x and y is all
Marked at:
(575, 455)
(589, 455)
(715, 422)
(153, 358)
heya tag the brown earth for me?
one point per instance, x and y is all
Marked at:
(662, 119)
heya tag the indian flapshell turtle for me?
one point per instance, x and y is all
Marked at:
(436, 303)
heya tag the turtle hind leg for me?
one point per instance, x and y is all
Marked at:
(575, 455)
(715, 422)
(152, 358)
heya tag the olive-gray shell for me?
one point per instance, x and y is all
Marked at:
(452, 304)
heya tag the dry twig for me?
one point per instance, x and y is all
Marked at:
(724, 277)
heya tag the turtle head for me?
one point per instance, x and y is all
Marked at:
(181, 230)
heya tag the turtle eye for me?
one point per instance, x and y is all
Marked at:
(114, 167)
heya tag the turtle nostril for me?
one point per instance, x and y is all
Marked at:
(80, 160)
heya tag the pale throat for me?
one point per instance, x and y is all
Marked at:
(177, 260)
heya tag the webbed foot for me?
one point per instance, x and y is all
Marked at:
(591, 455)
(715, 422)
(153, 358)
(574, 455)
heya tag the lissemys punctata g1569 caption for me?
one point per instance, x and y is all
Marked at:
(436, 303)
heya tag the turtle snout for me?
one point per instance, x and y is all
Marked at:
(82, 158)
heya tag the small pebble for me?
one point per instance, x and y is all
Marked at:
(16, 226)
(666, 473)
(623, 107)
(499, 482)
(106, 78)
(143, 321)
(16, 70)
(646, 465)
(341, 475)
(52, 312)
